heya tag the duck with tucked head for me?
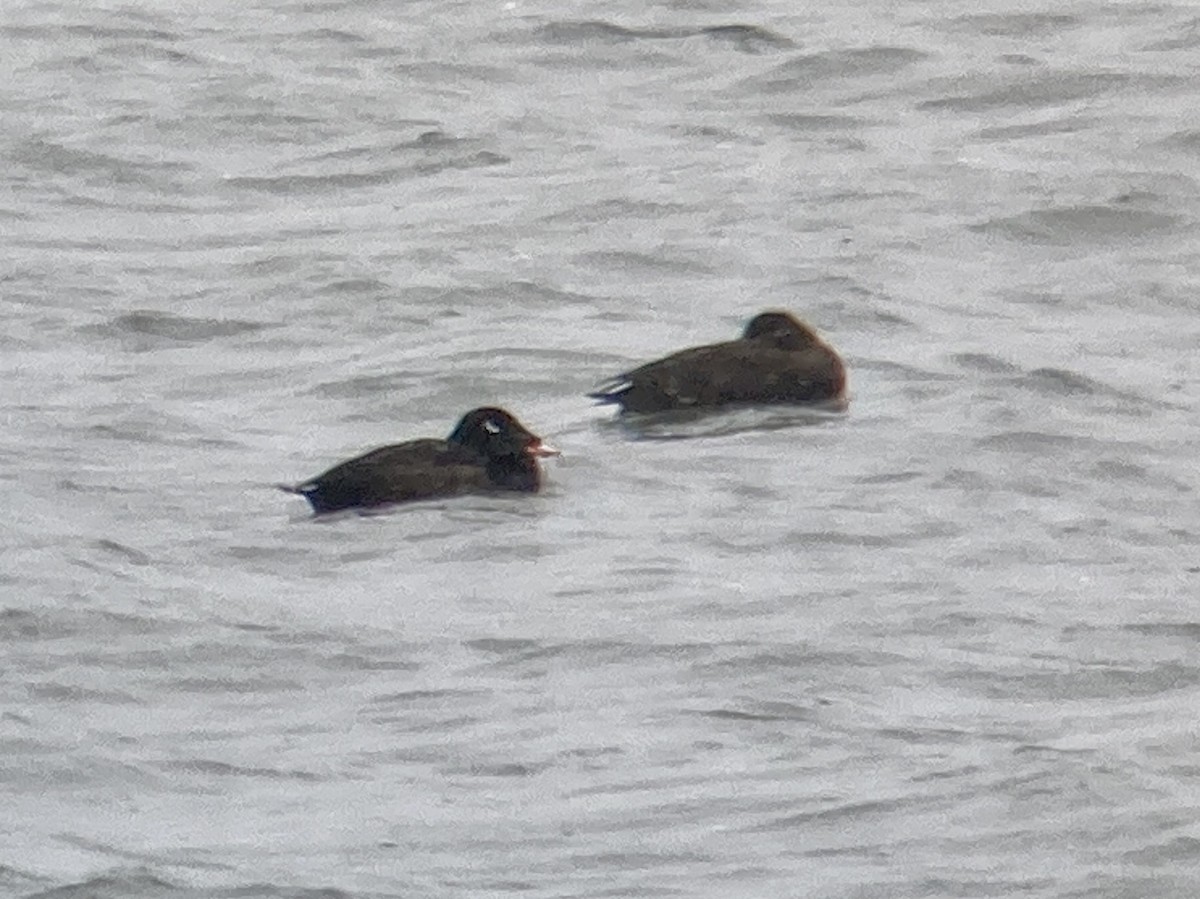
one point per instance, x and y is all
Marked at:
(489, 451)
(778, 359)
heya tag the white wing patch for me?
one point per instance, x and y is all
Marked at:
(619, 384)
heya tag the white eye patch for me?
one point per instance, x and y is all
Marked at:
(491, 427)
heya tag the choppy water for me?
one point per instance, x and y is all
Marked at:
(941, 646)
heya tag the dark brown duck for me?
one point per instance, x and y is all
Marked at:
(488, 451)
(778, 359)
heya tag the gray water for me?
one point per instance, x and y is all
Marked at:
(939, 646)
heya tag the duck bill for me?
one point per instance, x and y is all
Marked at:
(539, 447)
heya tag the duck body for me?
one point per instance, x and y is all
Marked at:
(488, 451)
(778, 359)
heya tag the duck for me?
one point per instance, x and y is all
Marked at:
(488, 451)
(778, 359)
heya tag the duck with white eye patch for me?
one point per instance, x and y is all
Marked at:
(488, 451)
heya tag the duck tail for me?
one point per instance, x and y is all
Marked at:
(611, 391)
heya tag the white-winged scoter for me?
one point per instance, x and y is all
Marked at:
(488, 451)
(778, 359)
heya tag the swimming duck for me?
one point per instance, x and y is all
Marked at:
(488, 451)
(778, 359)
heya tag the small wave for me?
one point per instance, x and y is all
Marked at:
(522, 295)
(711, 423)
(932, 736)
(129, 49)
(123, 32)
(143, 426)
(55, 30)
(1186, 630)
(330, 35)
(521, 356)
(1073, 681)
(1112, 471)
(175, 328)
(744, 38)
(748, 38)
(49, 156)
(805, 122)
(225, 769)
(1186, 37)
(14, 879)
(358, 661)
(1031, 24)
(1033, 442)
(634, 263)
(811, 539)
(1187, 140)
(901, 371)
(128, 553)
(143, 883)
(576, 32)
(1166, 853)
(500, 769)
(1068, 125)
(439, 73)
(840, 813)
(309, 184)
(890, 477)
(673, 860)
(436, 698)
(430, 153)
(115, 885)
(1060, 382)
(344, 287)
(759, 658)
(616, 209)
(74, 693)
(237, 685)
(367, 385)
(1084, 224)
(1032, 90)
(507, 653)
(984, 362)
(799, 73)
(761, 711)
(24, 625)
